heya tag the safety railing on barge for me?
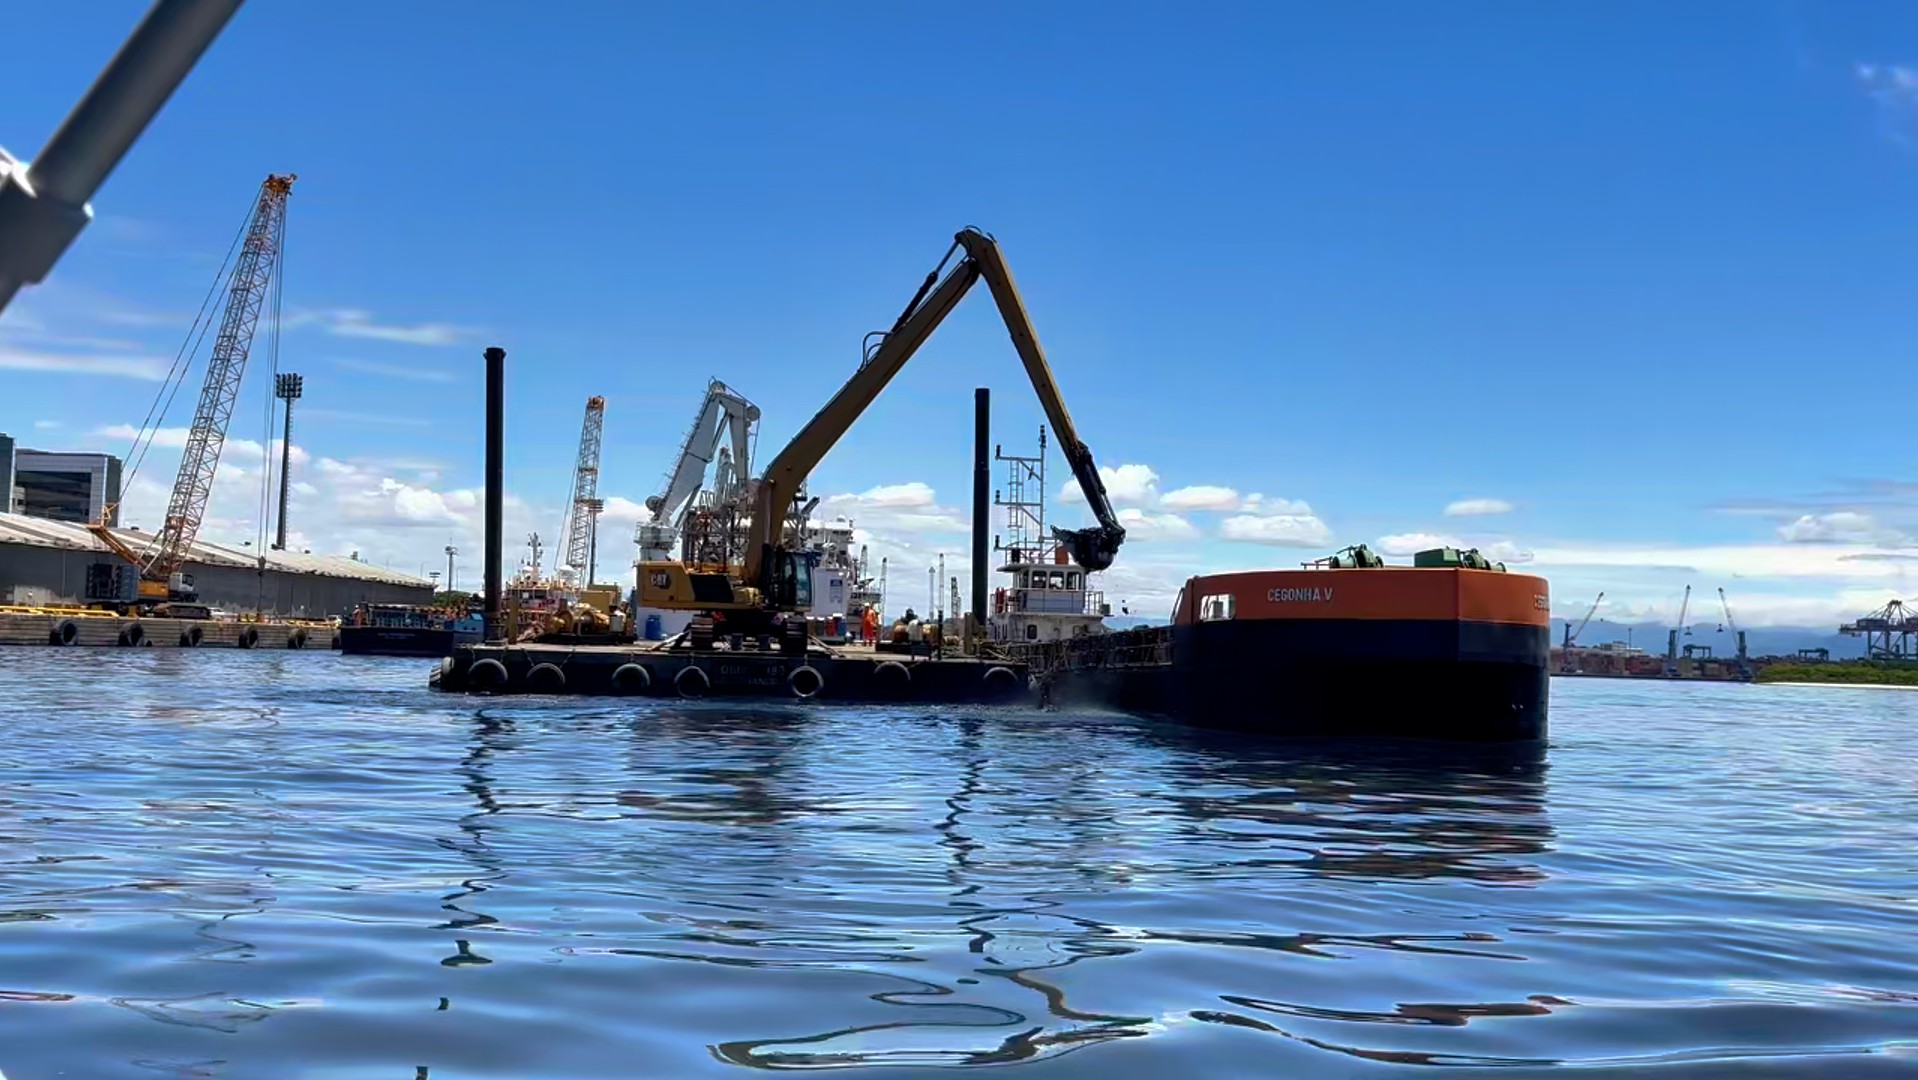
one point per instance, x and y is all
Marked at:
(1147, 646)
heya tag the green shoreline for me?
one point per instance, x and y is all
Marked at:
(1860, 672)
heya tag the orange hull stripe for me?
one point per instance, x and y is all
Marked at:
(1389, 593)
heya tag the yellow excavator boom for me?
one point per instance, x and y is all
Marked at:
(1092, 548)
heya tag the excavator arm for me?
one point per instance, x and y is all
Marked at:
(1094, 548)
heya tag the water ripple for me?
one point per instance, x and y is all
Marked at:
(232, 865)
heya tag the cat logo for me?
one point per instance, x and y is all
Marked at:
(659, 579)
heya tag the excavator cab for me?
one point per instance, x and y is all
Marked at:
(791, 586)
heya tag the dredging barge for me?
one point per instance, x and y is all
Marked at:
(1436, 652)
(1452, 648)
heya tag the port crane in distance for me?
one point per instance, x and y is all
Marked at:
(725, 417)
(583, 507)
(1571, 633)
(776, 575)
(163, 588)
(1744, 658)
(1671, 639)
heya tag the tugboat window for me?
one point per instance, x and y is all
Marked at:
(1032, 631)
(1213, 608)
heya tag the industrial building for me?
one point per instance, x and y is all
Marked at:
(46, 562)
(62, 487)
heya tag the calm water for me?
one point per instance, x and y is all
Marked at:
(250, 865)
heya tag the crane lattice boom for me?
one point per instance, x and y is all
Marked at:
(1584, 622)
(579, 510)
(246, 294)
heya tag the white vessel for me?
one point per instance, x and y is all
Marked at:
(1049, 597)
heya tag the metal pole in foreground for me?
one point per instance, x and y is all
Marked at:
(495, 483)
(981, 501)
(43, 206)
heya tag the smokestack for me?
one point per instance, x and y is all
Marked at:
(981, 501)
(495, 483)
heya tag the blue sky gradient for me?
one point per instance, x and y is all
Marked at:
(1640, 271)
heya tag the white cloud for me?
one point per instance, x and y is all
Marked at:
(910, 508)
(125, 366)
(1302, 529)
(1413, 543)
(1506, 552)
(172, 437)
(411, 373)
(45, 425)
(1145, 525)
(1201, 497)
(1127, 485)
(623, 511)
(175, 438)
(1891, 85)
(893, 495)
(354, 323)
(1841, 526)
(1834, 562)
(1477, 507)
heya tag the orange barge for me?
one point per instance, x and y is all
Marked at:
(1433, 652)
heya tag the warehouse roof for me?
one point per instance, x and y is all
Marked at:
(43, 532)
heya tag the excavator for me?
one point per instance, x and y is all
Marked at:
(775, 577)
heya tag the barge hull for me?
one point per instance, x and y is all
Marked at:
(1360, 678)
(401, 641)
(1423, 653)
(838, 677)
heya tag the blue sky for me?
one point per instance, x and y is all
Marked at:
(1640, 272)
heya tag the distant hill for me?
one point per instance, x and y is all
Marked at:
(1759, 641)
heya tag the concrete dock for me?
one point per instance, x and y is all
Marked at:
(648, 669)
(75, 628)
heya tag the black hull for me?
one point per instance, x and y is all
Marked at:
(401, 641)
(1373, 678)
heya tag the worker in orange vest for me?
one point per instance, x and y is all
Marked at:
(869, 625)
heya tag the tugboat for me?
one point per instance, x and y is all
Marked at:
(1050, 598)
(408, 630)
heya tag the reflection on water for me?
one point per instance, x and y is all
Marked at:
(1238, 809)
(331, 867)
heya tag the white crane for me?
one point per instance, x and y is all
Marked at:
(722, 430)
(582, 510)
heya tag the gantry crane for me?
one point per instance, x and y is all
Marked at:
(582, 510)
(722, 431)
(1571, 634)
(161, 581)
(775, 577)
